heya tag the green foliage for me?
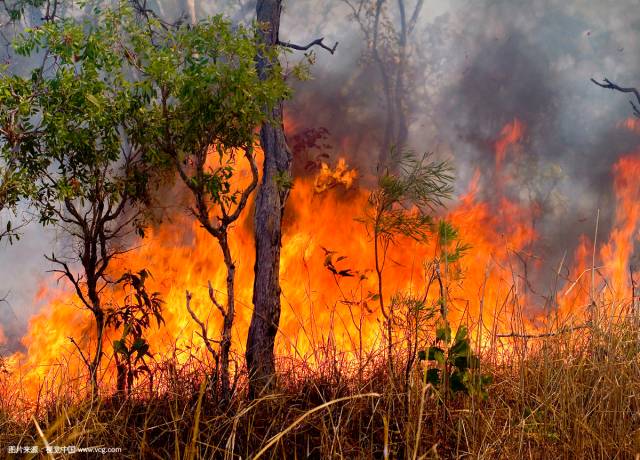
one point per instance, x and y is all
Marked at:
(13, 186)
(67, 124)
(452, 249)
(457, 368)
(405, 196)
(203, 99)
(134, 318)
(284, 181)
(169, 96)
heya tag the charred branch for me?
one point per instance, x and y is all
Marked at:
(565, 330)
(203, 328)
(218, 305)
(82, 355)
(608, 84)
(317, 42)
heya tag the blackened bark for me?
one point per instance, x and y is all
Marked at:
(228, 317)
(98, 314)
(270, 201)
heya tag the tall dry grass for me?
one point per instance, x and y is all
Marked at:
(569, 393)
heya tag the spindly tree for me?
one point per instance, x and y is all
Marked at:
(389, 32)
(206, 100)
(67, 126)
(402, 206)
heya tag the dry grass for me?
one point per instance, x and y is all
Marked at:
(570, 395)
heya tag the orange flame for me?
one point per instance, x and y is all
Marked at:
(510, 135)
(182, 256)
(328, 178)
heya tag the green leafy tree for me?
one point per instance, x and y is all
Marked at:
(205, 100)
(67, 126)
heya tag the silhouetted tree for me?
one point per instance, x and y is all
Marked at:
(387, 31)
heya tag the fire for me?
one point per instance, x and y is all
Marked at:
(510, 135)
(328, 178)
(631, 124)
(485, 287)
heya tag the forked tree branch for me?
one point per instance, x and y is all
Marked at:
(608, 84)
(66, 273)
(317, 42)
(203, 328)
(212, 296)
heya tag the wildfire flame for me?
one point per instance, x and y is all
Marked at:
(328, 178)
(182, 256)
(510, 135)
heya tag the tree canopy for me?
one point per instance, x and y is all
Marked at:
(113, 102)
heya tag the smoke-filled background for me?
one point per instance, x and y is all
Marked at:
(474, 67)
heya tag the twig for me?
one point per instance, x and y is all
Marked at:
(84, 358)
(608, 84)
(205, 337)
(546, 334)
(212, 296)
(317, 42)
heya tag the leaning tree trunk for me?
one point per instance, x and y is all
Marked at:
(270, 201)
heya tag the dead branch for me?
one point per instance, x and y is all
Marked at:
(564, 330)
(66, 273)
(317, 42)
(82, 355)
(205, 337)
(608, 84)
(212, 296)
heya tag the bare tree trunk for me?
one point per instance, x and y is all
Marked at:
(227, 323)
(270, 201)
(94, 365)
(402, 128)
(386, 86)
(392, 61)
(98, 315)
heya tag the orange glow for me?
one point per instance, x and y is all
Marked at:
(322, 214)
(631, 124)
(328, 178)
(510, 135)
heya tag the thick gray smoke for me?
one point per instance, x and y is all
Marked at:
(482, 63)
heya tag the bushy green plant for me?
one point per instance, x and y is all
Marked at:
(456, 368)
(133, 318)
